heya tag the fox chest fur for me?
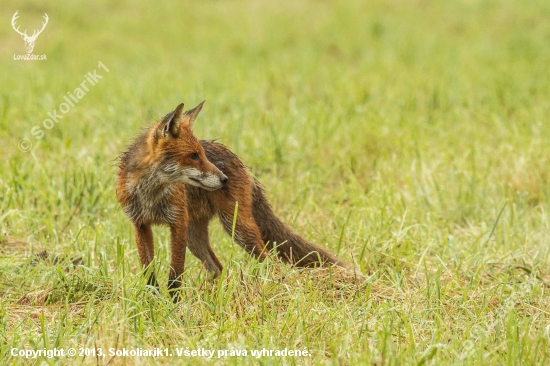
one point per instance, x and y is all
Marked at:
(150, 203)
(147, 201)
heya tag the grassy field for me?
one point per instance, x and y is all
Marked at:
(412, 138)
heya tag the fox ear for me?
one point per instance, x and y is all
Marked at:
(191, 115)
(172, 126)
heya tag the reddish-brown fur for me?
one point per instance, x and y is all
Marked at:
(153, 189)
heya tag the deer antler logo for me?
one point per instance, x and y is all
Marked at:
(29, 40)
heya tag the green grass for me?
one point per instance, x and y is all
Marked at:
(410, 137)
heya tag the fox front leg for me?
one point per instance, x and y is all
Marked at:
(178, 244)
(146, 250)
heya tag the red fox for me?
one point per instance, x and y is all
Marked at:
(168, 177)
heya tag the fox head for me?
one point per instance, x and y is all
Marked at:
(180, 156)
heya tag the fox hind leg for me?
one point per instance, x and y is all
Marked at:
(199, 245)
(247, 234)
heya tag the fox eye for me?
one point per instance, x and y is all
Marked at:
(194, 156)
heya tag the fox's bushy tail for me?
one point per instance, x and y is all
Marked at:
(289, 246)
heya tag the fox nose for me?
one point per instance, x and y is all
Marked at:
(224, 179)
